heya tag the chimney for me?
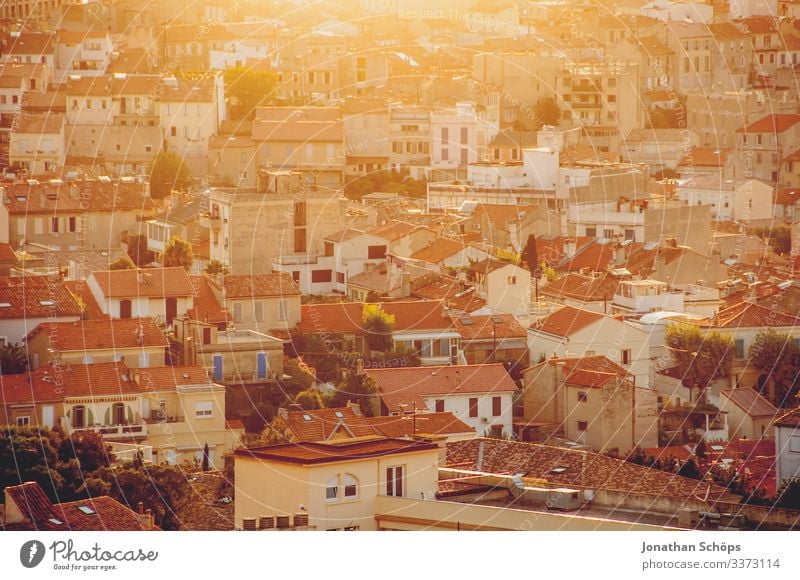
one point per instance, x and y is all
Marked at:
(619, 254)
(406, 284)
(139, 277)
(672, 242)
(569, 247)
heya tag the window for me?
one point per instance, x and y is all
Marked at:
(464, 135)
(328, 249)
(237, 312)
(794, 444)
(23, 421)
(340, 277)
(320, 276)
(173, 131)
(473, 407)
(376, 252)
(350, 486)
(394, 481)
(739, 344)
(583, 397)
(583, 425)
(440, 405)
(626, 356)
(283, 309)
(445, 135)
(203, 409)
(512, 280)
(497, 406)
(206, 335)
(258, 311)
(332, 489)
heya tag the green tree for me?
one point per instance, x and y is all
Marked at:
(160, 488)
(204, 466)
(258, 418)
(248, 89)
(378, 325)
(775, 354)
(138, 252)
(547, 111)
(13, 359)
(309, 399)
(167, 174)
(358, 388)
(178, 252)
(531, 254)
(123, 263)
(690, 469)
(509, 256)
(788, 495)
(214, 267)
(701, 357)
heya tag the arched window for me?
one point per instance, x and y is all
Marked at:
(332, 489)
(350, 486)
(118, 414)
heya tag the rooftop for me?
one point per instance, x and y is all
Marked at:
(309, 453)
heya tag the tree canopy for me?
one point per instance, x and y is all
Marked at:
(178, 252)
(248, 89)
(13, 359)
(379, 325)
(547, 111)
(358, 388)
(701, 357)
(777, 356)
(167, 174)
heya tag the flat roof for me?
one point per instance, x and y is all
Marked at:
(320, 453)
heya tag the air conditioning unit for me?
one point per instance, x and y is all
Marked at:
(484, 420)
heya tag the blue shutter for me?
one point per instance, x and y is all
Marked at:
(261, 365)
(217, 367)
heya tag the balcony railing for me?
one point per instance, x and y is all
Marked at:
(137, 430)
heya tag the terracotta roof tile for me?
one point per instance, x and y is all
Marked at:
(83, 296)
(426, 424)
(705, 157)
(484, 328)
(76, 196)
(749, 315)
(790, 419)
(566, 321)
(583, 288)
(35, 297)
(154, 283)
(322, 424)
(776, 123)
(169, 378)
(409, 385)
(749, 401)
(205, 306)
(439, 250)
(345, 317)
(583, 469)
(258, 285)
(310, 453)
(88, 335)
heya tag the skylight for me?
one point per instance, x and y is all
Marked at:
(339, 414)
(55, 521)
(5, 305)
(306, 417)
(86, 509)
(466, 321)
(559, 469)
(47, 303)
(717, 448)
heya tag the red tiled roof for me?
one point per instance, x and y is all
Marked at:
(584, 469)
(345, 317)
(786, 196)
(472, 327)
(594, 257)
(426, 424)
(454, 295)
(583, 288)
(7, 253)
(439, 250)
(588, 371)
(169, 378)
(83, 295)
(749, 401)
(395, 230)
(409, 385)
(777, 123)
(321, 424)
(155, 283)
(35, 297)
(705, 157)
(749, 315)
(85, 196)
(205, 306)
(98, 379)
(87, 335)
(790, 419)
(310, 453)
(566, 321)
(257, 285)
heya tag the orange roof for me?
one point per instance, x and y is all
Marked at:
(169, 378)
(93, 514)
(777, 123)
(439, 250)
(583, 288)
(484, 328)
(790, 419)
(566, 321)
(309, 453)
(705, 157)
(749, 401)
(39, 124)
(403, 388)
(581, 469)
(154, 283)
(395, 230)
(87, 335)
(786, 196)
(321, 424)
(749, 315)
(84, 196)
(420, 424)
(205, 306)
(345, 317)
(35, 297)
(83, 295)
(260, 285)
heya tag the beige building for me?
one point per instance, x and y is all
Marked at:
(336, 484)
(37, 145)
(282, 219)
(593, 401)
(750, 416)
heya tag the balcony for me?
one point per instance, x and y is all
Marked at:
(211, 221)
(110, 432)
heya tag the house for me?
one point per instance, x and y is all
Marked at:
(762, 145)
(509, 226)
(479, 395)
(730, 199)
(423, 425)
(82, 52)
(320, 425)
(594, 402)
(785, 204)
(750, 415)
(160, 293)
(237, 356)
(404, 238)
(574, 333)
(593, 293)
(331, 486)
(681, 265)
(707, 161)
(787, 446)
(232, 160)
(421, 327)
(492, 338)
(26, 302)
(181, 218)
(30, 48)
(309, 140)
(138, 342)
(37, 145)
(505, 287)
(69, 215)
(261, 302)
(27, 508)
(448, 254)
